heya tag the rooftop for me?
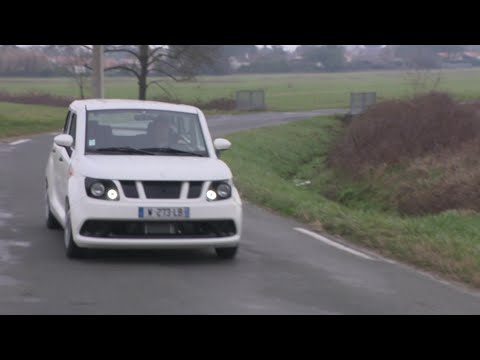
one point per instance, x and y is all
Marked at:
(113, 104)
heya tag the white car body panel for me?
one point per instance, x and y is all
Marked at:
(167, 168)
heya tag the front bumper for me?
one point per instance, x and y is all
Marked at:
(84, 208)
(112, 243)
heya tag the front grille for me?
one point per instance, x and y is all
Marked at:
(129, 189)
(162, 189)
(159, 229)
(195, 189)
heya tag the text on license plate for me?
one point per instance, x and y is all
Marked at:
(174, 212)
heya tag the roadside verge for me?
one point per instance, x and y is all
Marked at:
(284, 168)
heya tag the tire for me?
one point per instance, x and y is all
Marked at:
(50, 220)
(71, 249)
(226, 253)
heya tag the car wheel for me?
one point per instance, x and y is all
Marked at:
(71, 249)
(226, 253)
(50, 220)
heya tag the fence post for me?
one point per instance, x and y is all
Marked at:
(359, 102)
(250, 99)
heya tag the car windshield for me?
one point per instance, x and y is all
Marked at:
(144, 132)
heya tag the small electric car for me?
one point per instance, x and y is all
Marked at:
(128, 174)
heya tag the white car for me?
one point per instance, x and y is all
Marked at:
(129, 174)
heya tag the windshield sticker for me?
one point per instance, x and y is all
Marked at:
(91, 142)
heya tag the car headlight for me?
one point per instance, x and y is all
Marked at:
(112, 194)
(101, 189)
(219, 190)
(97, 189)
(211, 195)
(224, 190)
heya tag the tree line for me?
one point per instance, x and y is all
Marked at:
(148, 63)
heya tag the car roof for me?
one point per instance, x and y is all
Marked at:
(115, 104)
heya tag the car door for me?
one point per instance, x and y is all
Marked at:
(62, 161)
(54, 169)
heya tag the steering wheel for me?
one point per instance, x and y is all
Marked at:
(184, 142)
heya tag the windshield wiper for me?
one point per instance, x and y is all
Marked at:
(171, 151)
(124, 149)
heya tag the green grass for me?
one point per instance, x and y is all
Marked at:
(267, 162)
(20, 119)
(284, 92)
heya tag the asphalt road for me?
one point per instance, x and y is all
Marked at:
(279, 270)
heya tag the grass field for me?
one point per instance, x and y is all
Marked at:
(268, 164)
(284, 92)
(20, 119)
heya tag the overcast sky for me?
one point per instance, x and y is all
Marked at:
(290, 47)
(287, 47)
(293, 47)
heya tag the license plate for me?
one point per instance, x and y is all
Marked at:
(160, 229)
(164, 213)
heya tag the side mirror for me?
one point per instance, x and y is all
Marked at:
(222, 144)
(63, 140)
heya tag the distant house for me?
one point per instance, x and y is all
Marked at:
(236, 63)
(373, 57)
(370, 55)
(472, 56)
(464, 59)
(352, 52)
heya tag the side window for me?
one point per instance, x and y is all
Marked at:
(65, 127)
(73, 129)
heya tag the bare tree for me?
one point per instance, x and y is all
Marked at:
(423, 80)
(424, 74)
(177, 62)
(75, 61)
(78, 66)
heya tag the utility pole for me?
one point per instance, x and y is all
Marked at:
(98, 83)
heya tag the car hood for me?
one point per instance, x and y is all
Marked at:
(167, 168)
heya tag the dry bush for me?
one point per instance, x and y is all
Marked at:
(225, 104)
(33, 98)
(399, 130)
(439, 182)
(424, 151)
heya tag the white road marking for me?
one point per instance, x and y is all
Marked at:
(20, 142)
(332, 243)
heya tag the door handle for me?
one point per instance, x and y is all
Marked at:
(54, 151)
(60, 159)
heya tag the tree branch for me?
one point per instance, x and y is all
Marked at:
(131, 52)
(156, 58)
(163, 71)
(124, 67)
(156, 82)
(152, 53)
(170, 75)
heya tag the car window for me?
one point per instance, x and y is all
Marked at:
(65, 127)
(73, 128)
(144, 129)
